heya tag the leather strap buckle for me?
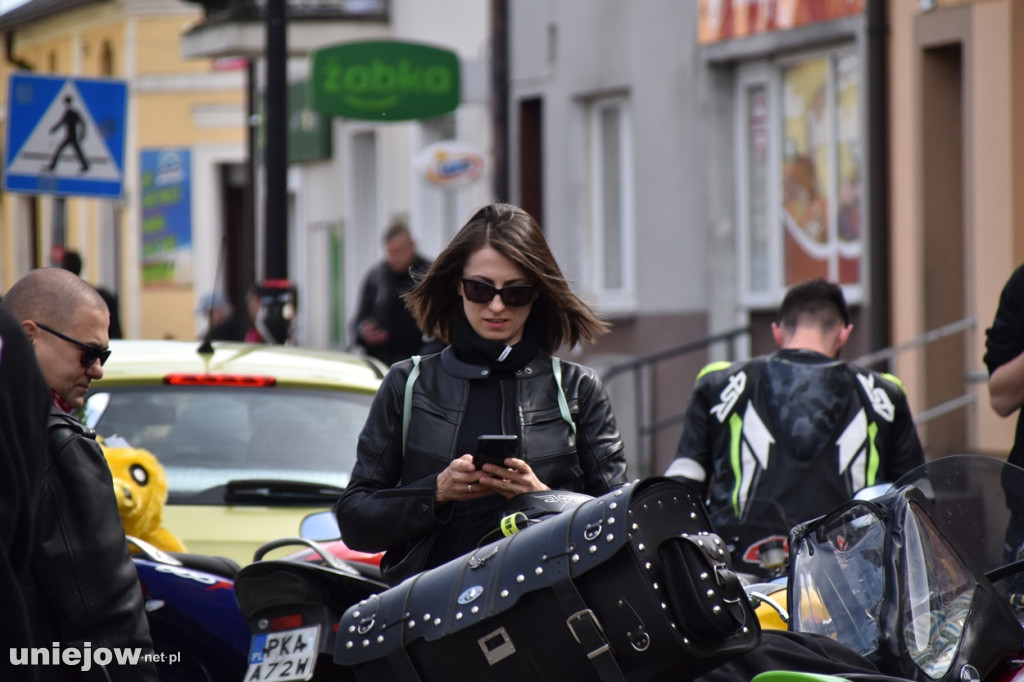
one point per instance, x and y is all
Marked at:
(590, 634)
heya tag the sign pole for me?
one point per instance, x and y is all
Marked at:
(275, 253)
(58, 231)
(499, 97)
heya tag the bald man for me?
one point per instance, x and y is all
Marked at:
(84, 587)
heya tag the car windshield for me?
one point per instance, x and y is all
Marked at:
(208, 436)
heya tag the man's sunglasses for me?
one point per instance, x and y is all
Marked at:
(514, 296)
(90, 353)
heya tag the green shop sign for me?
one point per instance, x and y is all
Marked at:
(384, 80)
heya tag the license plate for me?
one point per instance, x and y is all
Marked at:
(284, 655)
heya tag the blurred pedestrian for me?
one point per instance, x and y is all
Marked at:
(86, 591)
(383, 326)
(253, 305)
(273, 307)
(73, 263)
(222, 324)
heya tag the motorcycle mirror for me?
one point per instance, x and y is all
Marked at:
(320, 526)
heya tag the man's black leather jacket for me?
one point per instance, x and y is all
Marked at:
(380, 300)
(389, 501)
(85, 587)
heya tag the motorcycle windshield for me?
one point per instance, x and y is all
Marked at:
(977, 503)
(937, 596)
(838, 578)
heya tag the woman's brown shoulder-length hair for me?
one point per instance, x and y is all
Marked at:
(561, 316)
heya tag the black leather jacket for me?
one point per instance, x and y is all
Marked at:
(85, 587)
(389, 501)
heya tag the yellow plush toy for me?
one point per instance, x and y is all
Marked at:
(141, 489)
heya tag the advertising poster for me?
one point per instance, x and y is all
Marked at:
(821, 171)
(166, 216)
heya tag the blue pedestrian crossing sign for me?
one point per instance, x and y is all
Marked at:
(65, 136)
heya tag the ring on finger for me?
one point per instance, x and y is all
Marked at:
(470, 486)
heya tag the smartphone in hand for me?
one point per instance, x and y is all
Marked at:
(494, 449)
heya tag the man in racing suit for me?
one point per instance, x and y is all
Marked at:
(797, 427)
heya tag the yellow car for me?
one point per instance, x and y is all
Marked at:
(252, 437)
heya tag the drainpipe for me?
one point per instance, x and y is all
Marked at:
(878, 174)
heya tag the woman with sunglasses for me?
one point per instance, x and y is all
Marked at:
(497, 297)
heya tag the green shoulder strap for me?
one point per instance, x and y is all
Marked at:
(407, 405)
(563, 404)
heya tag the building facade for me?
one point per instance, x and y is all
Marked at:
(957, 200)
(697, 159)
(687, 161)
(693, 160)
(193, 109)
(362, 174)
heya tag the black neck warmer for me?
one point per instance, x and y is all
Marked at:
(472, 348)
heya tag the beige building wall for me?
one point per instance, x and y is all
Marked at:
(992, 256)
(171, 102)
(988, 174)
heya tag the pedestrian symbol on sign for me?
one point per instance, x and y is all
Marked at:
(66, 143)
(74, 131)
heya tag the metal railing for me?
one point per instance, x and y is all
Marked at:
(643, 386)
(886, 354)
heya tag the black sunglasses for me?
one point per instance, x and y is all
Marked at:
(90, 353)
(514, 296)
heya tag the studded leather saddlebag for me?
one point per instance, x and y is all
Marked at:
(631, 585)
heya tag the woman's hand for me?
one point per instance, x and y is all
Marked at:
(512, 479)
(460, 481)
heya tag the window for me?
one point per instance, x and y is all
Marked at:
(611, 203)
(363, 223)
(439, 206)
(366, 186)
(800, 201)
(756, 252)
